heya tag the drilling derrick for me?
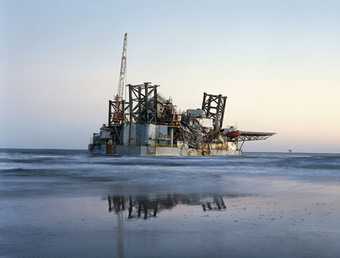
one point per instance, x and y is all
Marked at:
(117, 106)
(122, 73)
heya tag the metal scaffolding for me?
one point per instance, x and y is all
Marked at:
(117, 110)
(143, 103)
(214, 106)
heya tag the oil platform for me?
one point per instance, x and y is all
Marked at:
(144, 123)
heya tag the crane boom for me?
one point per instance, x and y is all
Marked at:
(122, 74)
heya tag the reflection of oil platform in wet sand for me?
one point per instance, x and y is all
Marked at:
(145, 123)
(146, 207)
(129, 208)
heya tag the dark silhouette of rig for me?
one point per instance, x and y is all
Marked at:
(146, 207)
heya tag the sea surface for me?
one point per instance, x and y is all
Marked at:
(67, 203)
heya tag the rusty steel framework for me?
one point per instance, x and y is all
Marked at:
(143, 103)
(214, 107)
(117, 118)
(116, 115)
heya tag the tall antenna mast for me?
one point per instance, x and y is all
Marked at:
(122, 74)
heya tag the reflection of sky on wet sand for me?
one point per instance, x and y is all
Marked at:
(292, 224)
(56, 204)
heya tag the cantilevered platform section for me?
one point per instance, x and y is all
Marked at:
(246, 136)
(254, 136)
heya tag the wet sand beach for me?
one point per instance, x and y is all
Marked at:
(68, 204)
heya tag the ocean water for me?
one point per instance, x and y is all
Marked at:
(65, 203)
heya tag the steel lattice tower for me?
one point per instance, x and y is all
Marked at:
(122, 73)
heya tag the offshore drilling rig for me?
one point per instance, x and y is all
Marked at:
(145, 123)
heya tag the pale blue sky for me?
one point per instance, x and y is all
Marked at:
(278, 62)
